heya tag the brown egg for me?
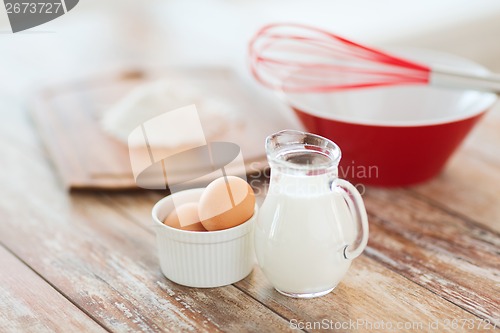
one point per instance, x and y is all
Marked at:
(226, 203)
(185, 217)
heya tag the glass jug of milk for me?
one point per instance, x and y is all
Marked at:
(311, 224)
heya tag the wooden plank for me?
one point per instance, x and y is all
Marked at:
(484, 141)
(369, 297)
(27, 302)
(71, 135)
(469, 187)
(463, 287)
(89, 158)
(453, 257)
(367, 285)
(470, 184)
(113, 261)
(105, 263)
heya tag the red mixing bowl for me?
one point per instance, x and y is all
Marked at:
(395, 136)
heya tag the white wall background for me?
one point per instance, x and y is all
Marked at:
(106, 35)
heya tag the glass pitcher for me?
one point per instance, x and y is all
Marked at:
(311, 224)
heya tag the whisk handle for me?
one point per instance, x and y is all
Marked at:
(445, 77)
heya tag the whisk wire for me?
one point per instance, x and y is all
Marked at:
(296, 57)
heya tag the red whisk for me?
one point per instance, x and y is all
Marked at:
(299, 58)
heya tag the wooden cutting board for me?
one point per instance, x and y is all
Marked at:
(87, 158)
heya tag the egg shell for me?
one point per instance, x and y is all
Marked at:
(185, 217)
(225, 203)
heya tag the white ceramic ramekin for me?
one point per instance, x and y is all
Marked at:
(202, 259)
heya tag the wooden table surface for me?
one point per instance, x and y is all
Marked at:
(87, 262)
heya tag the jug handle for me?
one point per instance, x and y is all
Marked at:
(358, 212)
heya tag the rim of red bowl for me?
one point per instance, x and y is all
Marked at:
(485, 100)
(483, 105)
